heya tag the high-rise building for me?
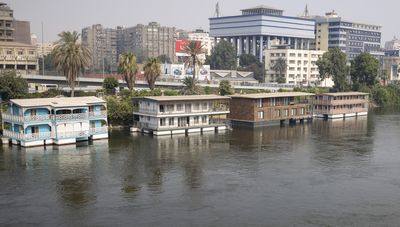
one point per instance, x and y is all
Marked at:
(150, 40)
(102, 42)
(254, 30)
(353, 38)
(204, 38)
(16, 51)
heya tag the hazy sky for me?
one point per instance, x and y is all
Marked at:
(58, 15)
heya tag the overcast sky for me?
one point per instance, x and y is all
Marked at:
(61, 15)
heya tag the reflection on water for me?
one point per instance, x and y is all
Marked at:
(323, 173)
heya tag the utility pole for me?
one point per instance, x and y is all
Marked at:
(42, 51)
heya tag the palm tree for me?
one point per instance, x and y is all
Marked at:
(280, 67)
(193, 49)
(152, 70)
(127, 66)
(70, 57)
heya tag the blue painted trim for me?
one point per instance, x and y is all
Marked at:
(283, 22)
(249, 26)
(297, 18)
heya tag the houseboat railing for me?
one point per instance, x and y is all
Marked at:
(99, 130)
(57, 117)
(98, 114)
(27, 136)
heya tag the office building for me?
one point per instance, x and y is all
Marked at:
(352, 38)
(102, 42)
(257, 27)
(41, 121)
(301, 67)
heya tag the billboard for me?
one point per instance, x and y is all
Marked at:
(181, 44)
(180, 71)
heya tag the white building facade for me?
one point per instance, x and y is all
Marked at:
(204, 38)
(168, 115)
(301, 67)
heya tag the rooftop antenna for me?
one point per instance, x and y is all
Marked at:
(217, 12)
(306, 13)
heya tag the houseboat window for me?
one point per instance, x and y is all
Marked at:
(286, 112)
(148, 118)
(259, 103)
(302, 111)
(162, 110)
(179, 107)
(204, 107)
(196, 106)
(294, 112)
(171, 121)
(260, 115)
(170, 108)
(273, 102)
(196, 120)
(277, 113)
(204, 119)
(162, 121)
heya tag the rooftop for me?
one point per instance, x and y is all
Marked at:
(58, 102)
(185, 97)
(344, 93)
(272, 95)
(262, 7)
(15, 44)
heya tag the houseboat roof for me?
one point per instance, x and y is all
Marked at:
(57, 102)
(185, 98)
(272, 95)
(344, 93)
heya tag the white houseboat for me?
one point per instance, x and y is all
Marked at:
(40, 121)
(167, 115)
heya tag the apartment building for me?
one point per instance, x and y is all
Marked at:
(301, 68)
(19, 57)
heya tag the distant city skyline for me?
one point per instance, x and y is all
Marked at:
(60, 16)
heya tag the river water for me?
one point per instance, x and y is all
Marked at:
(335, 173)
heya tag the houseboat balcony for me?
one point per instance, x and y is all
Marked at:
(29, 118)
(340, 102)
(51, 117)
(27, 137)
(72, 134)
(98, 114)
(341, 111)
(184, 112)
(98, 130)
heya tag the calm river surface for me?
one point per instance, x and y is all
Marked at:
(340, 173)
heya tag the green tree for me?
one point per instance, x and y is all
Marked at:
(70, 57)
(334, 64)
(247, 60)
(128, 67)
(225, 88)
(109, 84)
(12, 86)
(223, 56)
(164, 59)
(152, 70)
(364, 70)
(190, 87)
(193, 49)
(280, 67)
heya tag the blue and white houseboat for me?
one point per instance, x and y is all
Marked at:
(41, 121)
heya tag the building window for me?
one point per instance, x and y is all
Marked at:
(277, 113)
(204, 119)
(162, 121)
(294, 112)
(204, 106)
(170, 108)
(196, 120)
(171, 121)
(259, 103)
(260, 115)
(286, 112)
(162, 110)
(179, 107)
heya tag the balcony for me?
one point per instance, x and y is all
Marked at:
(27, 137)
(99, 114)
(30, 118)
(99, 130)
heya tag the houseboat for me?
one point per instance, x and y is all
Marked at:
(256, 110)
(41, 121)
(340, 105)
(167, 115)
